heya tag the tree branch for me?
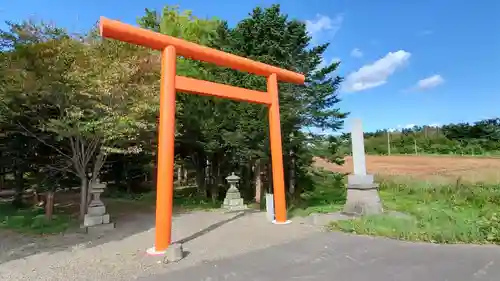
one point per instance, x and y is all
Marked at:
(76, 161)
(44, 142)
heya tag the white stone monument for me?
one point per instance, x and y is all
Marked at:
(96, 217)
(233, 201)
(362, 192)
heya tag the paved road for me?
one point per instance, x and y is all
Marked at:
(339, 257)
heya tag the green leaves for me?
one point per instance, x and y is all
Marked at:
(86, 97)
(91, 94)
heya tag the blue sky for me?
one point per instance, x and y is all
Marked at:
(404, 62)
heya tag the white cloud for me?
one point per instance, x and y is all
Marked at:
(376, 74)
(357, 53)
(409, 126)
(322, 24)
(429, 82)
(400, 128)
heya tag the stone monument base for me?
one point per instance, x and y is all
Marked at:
(97, 220)
(98, 229)
(362, 196)
(234, 204)
(233, 201)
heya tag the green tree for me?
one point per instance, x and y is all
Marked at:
(94, 95)
(478, 138)
(271, 37)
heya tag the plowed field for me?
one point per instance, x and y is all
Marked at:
(443, 168)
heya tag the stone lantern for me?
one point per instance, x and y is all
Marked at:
(233, 200)
(95, 191)
(96, 217)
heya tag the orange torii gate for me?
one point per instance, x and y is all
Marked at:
(171, 47)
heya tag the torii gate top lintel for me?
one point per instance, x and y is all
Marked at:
(127, 33)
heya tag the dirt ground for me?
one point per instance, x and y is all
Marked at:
(436, 168)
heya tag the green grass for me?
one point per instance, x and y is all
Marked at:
(458, 213)
(438, 213)
(32, 220)
(188, 199)
(185, 199)
(480, 155)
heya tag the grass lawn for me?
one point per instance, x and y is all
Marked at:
(438, 213)
(185, 199)
(457, 213)
(32, 220)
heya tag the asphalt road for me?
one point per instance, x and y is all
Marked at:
(339, 257)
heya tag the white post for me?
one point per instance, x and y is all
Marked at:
(270, 207)
(358, 147)
(388, 142)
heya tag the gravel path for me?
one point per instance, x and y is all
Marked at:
(120, 255)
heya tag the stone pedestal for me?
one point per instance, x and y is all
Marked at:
(362, 196)
(233, 201)
(362, 192)
(96, 217)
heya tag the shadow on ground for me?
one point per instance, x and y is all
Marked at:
(16, 246)
(212, 227)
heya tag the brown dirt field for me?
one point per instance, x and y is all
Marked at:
(435, 168)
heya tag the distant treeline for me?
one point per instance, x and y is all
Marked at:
(478, 138)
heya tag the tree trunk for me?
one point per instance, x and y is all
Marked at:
(129, 187)
(217, 179)
(214, 187)
(200, 179)
(89, 197)
(291, 175)
(19, 190)
(184, 175)
(36, 198)
(2, 178)
(179, 174)
(208, 179)
(258, 180)
(84, 184)
(269, 179)
(49, 204)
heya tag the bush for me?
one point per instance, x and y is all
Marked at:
(32, 220)
(327, 193)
